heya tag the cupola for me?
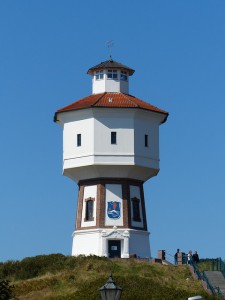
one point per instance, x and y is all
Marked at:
(110, 76)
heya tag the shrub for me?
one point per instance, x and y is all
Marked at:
(5, 290)
(31, 267)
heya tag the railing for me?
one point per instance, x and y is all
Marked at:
(215, 290)
(170, 258)
(218, 265)
(219, 292)
(196, 270)
(181, 260)
(209, 286)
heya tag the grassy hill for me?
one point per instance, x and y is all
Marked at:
(62, 277)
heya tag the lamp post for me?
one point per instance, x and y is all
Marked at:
(110, 291)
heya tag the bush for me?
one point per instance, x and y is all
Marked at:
(31, 267)
(5, 290)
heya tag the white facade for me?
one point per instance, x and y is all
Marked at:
(110, 148)
(89, 192)
(96, 154)
(106, 84)
(113, 193)
(95, 242)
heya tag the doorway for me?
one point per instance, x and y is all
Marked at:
(114, 247)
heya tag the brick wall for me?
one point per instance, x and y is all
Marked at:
(100, 202)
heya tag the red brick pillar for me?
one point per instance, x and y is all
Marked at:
(162, 254)
(179, 258)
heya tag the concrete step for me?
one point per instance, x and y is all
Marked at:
(216, 279)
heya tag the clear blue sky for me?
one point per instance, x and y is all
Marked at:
(177, 48)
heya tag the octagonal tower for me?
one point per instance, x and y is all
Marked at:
(110, 148)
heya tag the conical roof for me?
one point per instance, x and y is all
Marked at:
(110, 64)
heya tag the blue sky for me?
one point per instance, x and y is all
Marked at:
(177, 48)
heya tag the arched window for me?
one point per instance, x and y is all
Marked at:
(89, 209)
(136, 209)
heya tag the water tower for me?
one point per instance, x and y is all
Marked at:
(110, 148)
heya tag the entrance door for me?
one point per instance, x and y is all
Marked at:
(114, 247)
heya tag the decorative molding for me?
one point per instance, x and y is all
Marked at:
(115, 233)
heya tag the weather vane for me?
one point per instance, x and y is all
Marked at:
(109, 45)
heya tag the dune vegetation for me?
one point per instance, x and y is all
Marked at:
(56, 276)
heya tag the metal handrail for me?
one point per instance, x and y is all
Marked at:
(169, 257)
(218, 265)
(215, 290)
(219, 292)
(202, 276)
(196, 270)
(209, 286)
(222, 266)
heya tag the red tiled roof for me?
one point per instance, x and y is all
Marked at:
(113, 100)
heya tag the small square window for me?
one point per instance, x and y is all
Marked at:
(78, 140)
(109, 74)
(146, 140)
(112, 74)
(123, 75)
(113, 137)
(99, 75)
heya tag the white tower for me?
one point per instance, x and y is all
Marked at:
(110, 148)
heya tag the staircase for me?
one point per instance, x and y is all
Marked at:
(212, 281)
(216, 279)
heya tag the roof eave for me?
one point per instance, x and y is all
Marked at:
(165, 119)
(92, 106)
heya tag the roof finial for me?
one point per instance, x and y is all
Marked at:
(110, 44)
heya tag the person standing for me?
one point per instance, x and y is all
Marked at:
(195, 257)
(189, 257)
(176, 256)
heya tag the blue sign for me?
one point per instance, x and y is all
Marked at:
(113, 210)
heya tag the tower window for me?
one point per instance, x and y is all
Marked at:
(136, 209)
(78, 140)
(89, 209)
(113, 137)
(112, 74)
(146, 140)
(123, 75)
(99, 75)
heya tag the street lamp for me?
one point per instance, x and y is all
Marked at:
(110, 291)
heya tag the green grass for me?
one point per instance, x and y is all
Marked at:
(206, 264)
(62, 277)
